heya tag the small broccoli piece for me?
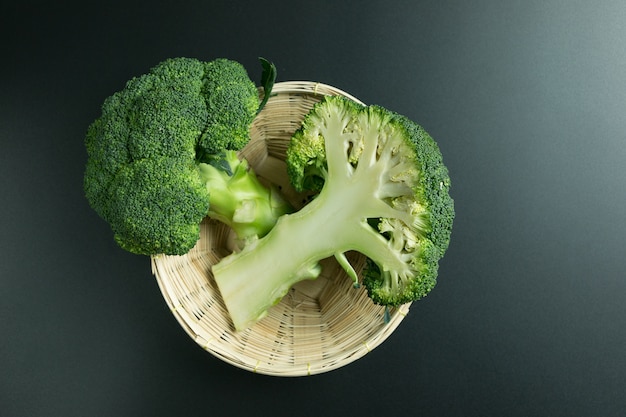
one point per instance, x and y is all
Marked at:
(383, 191)
(162, 156)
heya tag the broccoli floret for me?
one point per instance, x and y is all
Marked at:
(162, 156)
(383, 191)
(235, 100)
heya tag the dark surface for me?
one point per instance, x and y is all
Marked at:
(527, 101)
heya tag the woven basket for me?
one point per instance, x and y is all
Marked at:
(320, 325)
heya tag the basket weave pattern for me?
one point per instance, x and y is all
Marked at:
(321, 324)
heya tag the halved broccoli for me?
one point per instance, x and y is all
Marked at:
(162, 156)
(383, 191)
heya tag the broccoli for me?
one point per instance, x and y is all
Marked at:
(162, 156)
(382, 190)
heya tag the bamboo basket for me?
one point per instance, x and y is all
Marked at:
(320, 325)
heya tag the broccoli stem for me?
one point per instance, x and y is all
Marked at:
(238, 199)
(253, 280)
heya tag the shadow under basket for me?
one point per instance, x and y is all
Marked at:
(321, 324)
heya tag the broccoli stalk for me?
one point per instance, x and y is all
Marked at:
(238, 199)
(384, 191)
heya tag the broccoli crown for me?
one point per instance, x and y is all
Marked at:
(143, 151)
(410, 179)
(383, 192)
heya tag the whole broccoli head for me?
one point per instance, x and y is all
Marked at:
(383, 191)
(146, 152)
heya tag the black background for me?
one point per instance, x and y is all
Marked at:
(527, 100)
